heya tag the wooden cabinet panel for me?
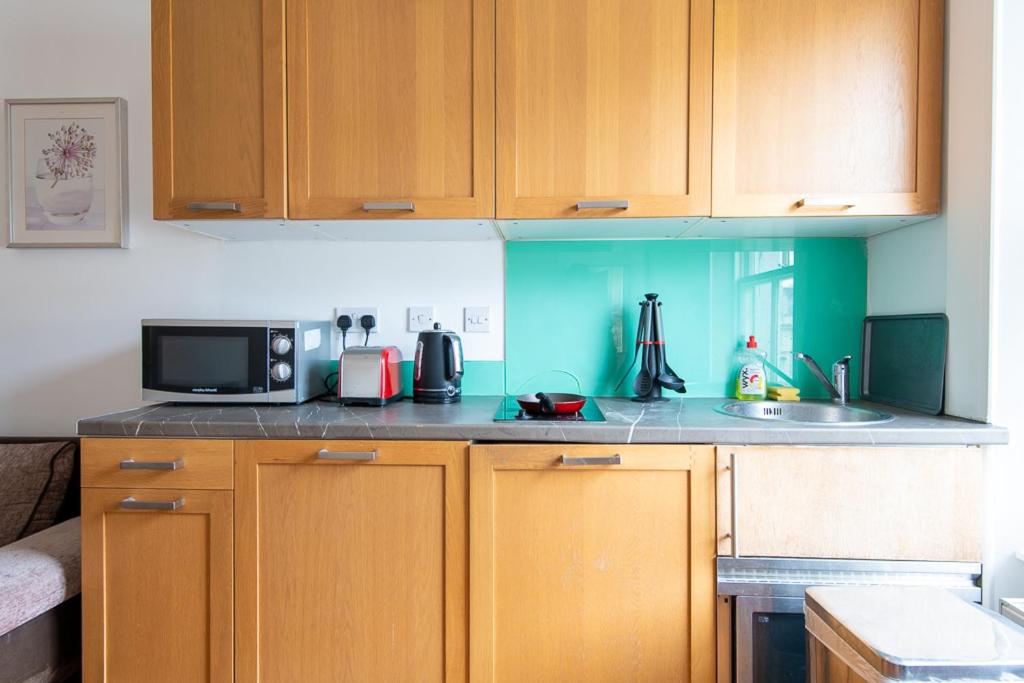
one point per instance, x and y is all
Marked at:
(156, 587)
(391, 102)
(833, 101)
(198, 464)
(218, 108)
(596, 573)
(852, 503)
(351, 570)
(604, 101)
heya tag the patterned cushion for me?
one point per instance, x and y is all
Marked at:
(39, 572)
(33, 480)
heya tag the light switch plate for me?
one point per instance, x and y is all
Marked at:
(476, 319)
(421, 318)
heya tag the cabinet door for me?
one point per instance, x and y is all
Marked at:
(218, 109)
(351, 561)
(842, 502)
(391, 104)
(827, 108)
(592, 572)
(606, 102)
(156, 586)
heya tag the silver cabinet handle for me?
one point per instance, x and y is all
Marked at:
(734, 516)
(214, 206)
(826, 203)
(603, 204)
(605, 460)
(130, 503)
(133, 464)
(363, 456)
(388, 206)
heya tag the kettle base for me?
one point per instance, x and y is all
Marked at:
(437, 398)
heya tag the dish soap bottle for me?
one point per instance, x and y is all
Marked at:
(751, 383)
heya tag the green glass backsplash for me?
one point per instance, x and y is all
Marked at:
(574, 306)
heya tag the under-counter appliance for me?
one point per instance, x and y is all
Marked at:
(766, 601)
(234, 361)
(370, 376)
(438, 368)
(511, 410)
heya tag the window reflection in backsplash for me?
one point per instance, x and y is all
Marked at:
(765, 299)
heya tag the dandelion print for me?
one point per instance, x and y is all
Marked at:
(71, 152)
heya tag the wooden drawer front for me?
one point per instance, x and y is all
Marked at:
(116, 463)
(852, 503)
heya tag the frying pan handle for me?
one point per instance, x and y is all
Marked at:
(547, 406)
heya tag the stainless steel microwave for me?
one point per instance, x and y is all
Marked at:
(234, 361)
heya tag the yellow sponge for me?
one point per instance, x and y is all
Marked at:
(780, 393)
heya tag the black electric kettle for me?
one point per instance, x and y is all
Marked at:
(437, 370)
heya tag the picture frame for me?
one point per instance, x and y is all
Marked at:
(67, 172)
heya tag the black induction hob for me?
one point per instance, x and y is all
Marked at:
(509, 411)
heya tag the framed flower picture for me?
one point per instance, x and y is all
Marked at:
(67, 172)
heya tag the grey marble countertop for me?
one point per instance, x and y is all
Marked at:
(686, 420)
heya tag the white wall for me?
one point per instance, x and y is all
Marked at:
(69, 319)
(907, 270)
(1006, 465)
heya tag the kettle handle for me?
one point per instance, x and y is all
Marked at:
(453, 361)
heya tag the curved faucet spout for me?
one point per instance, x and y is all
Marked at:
(837, 395)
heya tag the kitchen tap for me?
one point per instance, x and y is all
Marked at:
(839, 387)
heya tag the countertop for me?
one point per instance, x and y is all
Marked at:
(685, 420)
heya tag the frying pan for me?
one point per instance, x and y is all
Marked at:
(551, 404)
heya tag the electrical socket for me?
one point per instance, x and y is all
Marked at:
(356, 314)
(421, 318)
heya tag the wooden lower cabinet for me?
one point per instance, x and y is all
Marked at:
(351, 561)
(832, 502)
(592, 572)
(156, 586)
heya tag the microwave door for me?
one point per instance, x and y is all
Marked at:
(205, 363)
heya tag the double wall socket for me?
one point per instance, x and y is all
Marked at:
(356, 314)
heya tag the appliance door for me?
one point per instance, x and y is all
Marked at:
(205, 362)
(770, 640)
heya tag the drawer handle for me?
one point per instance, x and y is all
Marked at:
(214, 206)
(360, 456)
(388, 206)
(133, 464)
(603, 204)
(605, 460)
(826, 203)
(130, 503)
(734, 516)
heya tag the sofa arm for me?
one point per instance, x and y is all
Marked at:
(39, 572)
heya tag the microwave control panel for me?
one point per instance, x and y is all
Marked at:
(282, 359)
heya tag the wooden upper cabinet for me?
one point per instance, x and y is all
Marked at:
(829, 107)
(603, 101)
(592, 563)
(218, 109)
(391, 104)
(351, 562)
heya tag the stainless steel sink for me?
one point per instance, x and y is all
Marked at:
(804, 412)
